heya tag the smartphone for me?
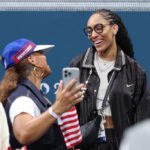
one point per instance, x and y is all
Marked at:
(68, 74)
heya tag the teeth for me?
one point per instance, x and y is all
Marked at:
(97, 42)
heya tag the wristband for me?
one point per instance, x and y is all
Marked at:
(53, 113)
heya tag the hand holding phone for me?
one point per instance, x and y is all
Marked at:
(69, 74)
(66, 95)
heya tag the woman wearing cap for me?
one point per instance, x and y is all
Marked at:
(116, 85)
(31, 118)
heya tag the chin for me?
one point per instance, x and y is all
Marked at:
(102, 48)
(99, 49)
(47, 73)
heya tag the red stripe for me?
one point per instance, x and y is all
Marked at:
(71, 133)
(67, 122)
(73, 138)
(71, 121)
(25, 148)
(9, 148)
(67, 128)
(70, 146)
(77, 127)
(72, 109)
(69, 116)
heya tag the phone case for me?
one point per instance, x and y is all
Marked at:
(69, 74)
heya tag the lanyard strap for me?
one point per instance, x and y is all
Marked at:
(107, 92)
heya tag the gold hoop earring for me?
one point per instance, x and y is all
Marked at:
(38, 75)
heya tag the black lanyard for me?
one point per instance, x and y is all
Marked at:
(107, 92)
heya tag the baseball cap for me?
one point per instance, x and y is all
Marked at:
(20, 49)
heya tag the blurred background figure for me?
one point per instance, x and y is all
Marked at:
(137, 137)
(4, 132)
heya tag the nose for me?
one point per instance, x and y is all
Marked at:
(94, 34)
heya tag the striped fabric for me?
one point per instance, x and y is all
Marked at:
(24, 148)
(69, 125)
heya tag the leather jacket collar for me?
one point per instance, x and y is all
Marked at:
(89, 58)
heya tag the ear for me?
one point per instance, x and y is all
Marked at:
(115, 28)
(31, 59)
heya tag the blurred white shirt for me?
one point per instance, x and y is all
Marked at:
(137, 137)
(4, 132)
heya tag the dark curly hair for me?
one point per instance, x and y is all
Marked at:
(122, 37)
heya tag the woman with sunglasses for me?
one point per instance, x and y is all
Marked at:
(115, 84)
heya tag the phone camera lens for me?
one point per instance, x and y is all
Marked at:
(69, 73)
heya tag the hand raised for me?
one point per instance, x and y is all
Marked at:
(67, 97)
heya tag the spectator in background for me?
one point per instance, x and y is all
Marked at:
(31, 116)
(116, 85)
(4, 132)
(137, 137)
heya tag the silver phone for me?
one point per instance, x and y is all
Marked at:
(69, 74)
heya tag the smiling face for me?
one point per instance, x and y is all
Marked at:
(104, 41)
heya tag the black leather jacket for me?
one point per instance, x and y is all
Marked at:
(128, 97)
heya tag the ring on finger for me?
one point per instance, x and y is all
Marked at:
(76, 95)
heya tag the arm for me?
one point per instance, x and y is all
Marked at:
(28, 129)
(143, 104)
(4, 131)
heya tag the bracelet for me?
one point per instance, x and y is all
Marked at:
(53, 113)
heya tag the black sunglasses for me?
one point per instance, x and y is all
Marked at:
(98, 28)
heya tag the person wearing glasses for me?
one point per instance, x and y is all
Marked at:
(116, 86)
(31, 116)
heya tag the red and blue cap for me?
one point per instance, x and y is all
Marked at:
(20, 49)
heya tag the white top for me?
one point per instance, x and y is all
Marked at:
(103, 68)
(4, 132)
(23, 104)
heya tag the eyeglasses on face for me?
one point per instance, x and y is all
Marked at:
(98, 28)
